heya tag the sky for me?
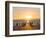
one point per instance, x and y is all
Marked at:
(26, 13)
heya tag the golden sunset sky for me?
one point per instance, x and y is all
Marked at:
(26, 13)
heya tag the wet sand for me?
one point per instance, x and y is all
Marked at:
(28, 27)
